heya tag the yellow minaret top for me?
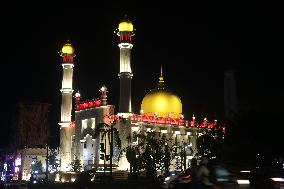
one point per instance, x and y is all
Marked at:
(67, 49)
(125, 26)
(161, 101)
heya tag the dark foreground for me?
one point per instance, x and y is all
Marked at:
(109, 185)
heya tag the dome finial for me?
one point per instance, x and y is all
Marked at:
(161, 78)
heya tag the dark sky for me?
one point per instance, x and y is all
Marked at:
(195, 43)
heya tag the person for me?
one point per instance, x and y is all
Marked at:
(188, 178)
(203, 174)
(192, 171)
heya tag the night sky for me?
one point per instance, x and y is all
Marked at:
(195, 43)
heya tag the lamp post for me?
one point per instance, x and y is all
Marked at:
(46, 163)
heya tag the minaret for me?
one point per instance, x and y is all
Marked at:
(230, 95)
(104, 91)
(125, 33)
(67, 53)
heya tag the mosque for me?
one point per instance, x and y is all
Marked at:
(85, 138)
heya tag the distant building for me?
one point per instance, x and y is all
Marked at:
(9, 172)
(31, 127)
(29, 139)
(19, 165)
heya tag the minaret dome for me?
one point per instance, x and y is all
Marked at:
(67, 49)
(125, 26)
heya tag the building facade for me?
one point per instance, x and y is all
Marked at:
(87, 138)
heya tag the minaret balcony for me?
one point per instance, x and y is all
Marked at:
(125, 45)
(66, 90)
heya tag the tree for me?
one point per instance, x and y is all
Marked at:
(36, 167)
(53, 162)
(76, 165)
(153, 152)
(211, 143)
(168, 156)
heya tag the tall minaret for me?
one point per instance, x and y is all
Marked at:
(125, 33)
(67, 53)
(230, 95)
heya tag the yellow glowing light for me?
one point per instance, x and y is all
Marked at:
(125, 26)
(77, 95)
(103, 89)
(67, 49)
(161, 102)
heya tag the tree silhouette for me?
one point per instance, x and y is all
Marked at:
(211, 143)
(76, 165)
(153, 152)
(53, 162)
(36, 167)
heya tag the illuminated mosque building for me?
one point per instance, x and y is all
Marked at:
(84, 137)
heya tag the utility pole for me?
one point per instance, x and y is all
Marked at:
(181, 158)
(184, 157)
(105, 159)
(111, 148)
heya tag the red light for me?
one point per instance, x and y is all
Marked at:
(98, 103)
(68, 59)
(72, 125)
(174, 122)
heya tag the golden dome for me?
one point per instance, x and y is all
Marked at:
(125, 26)
(67, 49)
(161, 101)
